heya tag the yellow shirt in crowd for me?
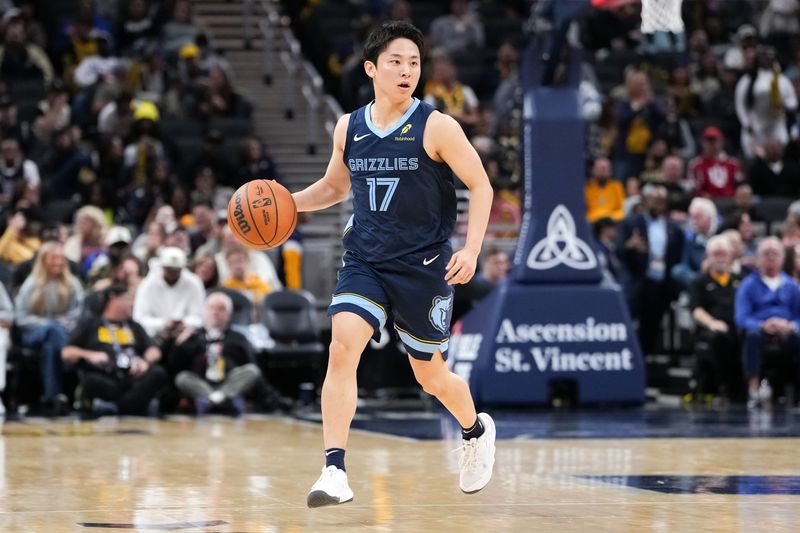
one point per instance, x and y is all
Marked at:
(604, 201)
(252, 284)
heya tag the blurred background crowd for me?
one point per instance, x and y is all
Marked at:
(123, 134)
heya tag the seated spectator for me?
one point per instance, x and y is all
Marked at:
(80, 44)
(711, 298)
(504, 69)
(19, 242)
(254, 162)
(179, 239)
(170, 282)
(447, 94)
(458, 31)
(604, 195)
(117, 118)
(745, 246)
(764, 99)
(179, 30)
(257, 262)
(88, 239)
(218, 98)
(10, 123)
(205, 226)
(6, 320)
(54, 113)
(686, 100)
(702, 225)
(218, 361)
(742, 204)
(116, 359)
(494, 267)
(126, 270)
(773, 175)
(675, 182)
(653, 159)
(746, 40)
(17, 173)
(146, 148)
(205, 267)
(242, 280)
(768, 312)
(96, 67)
(47, 305)
(146, 245)
(49, 233)
(713, 173)
(19, 58)
(179, 200)
(137, 26)
(117, 246)
(67, 168)
(705, 78)
(212, 156)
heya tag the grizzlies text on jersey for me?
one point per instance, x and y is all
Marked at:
(403, 201)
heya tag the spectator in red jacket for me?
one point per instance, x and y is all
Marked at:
(715, 174)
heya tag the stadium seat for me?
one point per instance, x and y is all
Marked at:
(290, 317)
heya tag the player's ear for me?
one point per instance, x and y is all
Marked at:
(369, 68)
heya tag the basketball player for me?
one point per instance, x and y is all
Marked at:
(396, 154)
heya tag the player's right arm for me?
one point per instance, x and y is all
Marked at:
(333, 187)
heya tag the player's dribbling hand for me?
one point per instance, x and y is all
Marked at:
(461, 267)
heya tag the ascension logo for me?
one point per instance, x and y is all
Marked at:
(561, 245)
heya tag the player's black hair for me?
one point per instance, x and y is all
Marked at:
(380, 37)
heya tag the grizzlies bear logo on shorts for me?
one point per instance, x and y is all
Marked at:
(439, 314)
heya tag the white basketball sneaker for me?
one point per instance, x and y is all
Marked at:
(478, 458)
(330, 489)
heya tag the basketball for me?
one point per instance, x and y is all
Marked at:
(262, 214)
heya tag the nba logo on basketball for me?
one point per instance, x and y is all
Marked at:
(258, 203)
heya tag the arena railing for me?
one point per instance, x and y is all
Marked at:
(302, 78)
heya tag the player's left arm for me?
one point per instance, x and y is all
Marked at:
(453, 147)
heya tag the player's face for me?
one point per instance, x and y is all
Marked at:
(397, 71)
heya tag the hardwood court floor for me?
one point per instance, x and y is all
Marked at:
(252, 476)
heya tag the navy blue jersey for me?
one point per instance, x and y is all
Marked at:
(403, 201)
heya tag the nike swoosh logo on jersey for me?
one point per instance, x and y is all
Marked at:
(427, 262)
(357, 138)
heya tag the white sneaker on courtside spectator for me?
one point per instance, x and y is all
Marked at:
(330, 489)
(478, 458)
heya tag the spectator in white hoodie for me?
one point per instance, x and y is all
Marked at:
(170, 298)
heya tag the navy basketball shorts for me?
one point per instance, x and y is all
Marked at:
(410, 289)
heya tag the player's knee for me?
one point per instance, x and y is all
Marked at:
(340, 357)
(432, 384)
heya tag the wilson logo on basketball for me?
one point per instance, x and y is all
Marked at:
(238, 214)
